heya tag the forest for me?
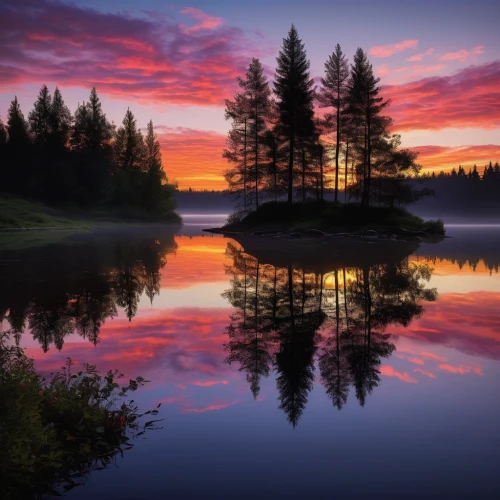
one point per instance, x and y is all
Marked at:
(83, 160)
(298, 141)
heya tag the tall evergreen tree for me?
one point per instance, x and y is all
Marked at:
(158, 196)
(334, 94)
(294, 91)
(40, 118)
(129, 145)
(250, 112)
(61, 120)
(3, 134)
(365, 106)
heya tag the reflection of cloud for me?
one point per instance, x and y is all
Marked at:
(467, 322)
(214, 407)
(198, 260)
(389, 371)
(423, 372)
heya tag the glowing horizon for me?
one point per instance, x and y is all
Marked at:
(177, 64)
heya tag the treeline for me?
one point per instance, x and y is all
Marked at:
(58, 157)
(278, 148)
(490, 173)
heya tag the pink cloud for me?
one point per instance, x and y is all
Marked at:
(423, 372)
(419, 57)
(147, 59)
(462, 55)
(392, 48)
(462, 370)
(389, 371)
(468, 98)
(206, 22)
(209, 383)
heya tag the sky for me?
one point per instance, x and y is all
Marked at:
(176, 63)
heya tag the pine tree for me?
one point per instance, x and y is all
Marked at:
(3, 135)
(334, 94)
(365, 106)
(250, 113)
(40, 118)
(61, 120)
(129, 145)
(92, 130)
(157, 192)
(295, 93)
(17, 127)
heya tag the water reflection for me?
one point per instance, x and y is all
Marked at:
(76, 287)
(284, 317)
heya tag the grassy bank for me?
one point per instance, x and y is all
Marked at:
(19, 213)
(332, 217)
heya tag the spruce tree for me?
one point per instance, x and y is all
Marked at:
(365, 106)
(40, 119)
(129, 145)
(334, 94)
(250, 113)
(60, 120)
(294, 91)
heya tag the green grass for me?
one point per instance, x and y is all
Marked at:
(331, 217)
(19, 213)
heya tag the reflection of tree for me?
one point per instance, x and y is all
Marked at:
(78, 287)
(283, 316)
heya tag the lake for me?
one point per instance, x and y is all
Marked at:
(336, 372)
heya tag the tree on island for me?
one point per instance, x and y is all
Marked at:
(250, 112)
(295, 97)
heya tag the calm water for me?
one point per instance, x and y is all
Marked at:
(339, 373)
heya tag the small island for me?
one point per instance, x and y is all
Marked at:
(330, 220)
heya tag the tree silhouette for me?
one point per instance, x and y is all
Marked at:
(334, 94)
(294, 91)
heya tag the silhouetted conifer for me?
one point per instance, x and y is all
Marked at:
(295, 93)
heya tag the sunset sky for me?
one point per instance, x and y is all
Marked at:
(175, 63)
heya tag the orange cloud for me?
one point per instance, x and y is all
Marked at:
(462, 55)
(446, 158)
(193, 158)
(391, 372)
(423, 372)
(392, 48)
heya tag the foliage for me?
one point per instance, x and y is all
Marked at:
(61, 159)
(54, 432)
(333, 216)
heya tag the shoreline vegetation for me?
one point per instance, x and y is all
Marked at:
(80, 164)
(330, 220)
(20, 214)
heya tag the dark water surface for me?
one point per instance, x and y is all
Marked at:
(349, 373)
